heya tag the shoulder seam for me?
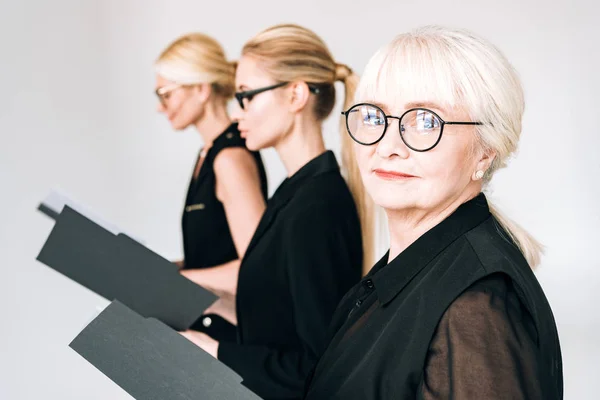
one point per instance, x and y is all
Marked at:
(482, 265)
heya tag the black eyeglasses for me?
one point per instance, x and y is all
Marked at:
(420, 129)
(163, 92)
(248, 95)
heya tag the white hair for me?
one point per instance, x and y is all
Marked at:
(458, 69)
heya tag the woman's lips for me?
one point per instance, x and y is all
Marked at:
(392, 175)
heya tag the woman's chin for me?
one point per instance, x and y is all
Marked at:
(390, 200)
(177, 127)
(252, 145)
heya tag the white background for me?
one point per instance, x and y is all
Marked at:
(77, 112)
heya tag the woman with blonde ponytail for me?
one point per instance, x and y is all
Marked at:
(307, 251)
(453, 310)
(228, 187)
(364, 203)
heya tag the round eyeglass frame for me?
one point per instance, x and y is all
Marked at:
(386, 117)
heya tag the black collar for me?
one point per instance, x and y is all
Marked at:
(321, 164)
(325, 162)
(390, 279)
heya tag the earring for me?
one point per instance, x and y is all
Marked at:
(478, 175)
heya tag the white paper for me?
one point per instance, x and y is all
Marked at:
(57, 200)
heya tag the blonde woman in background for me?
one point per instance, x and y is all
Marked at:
(454, 310)
(307, 251)
(228, 187)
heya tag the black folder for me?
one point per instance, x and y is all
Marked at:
(118, 267)
(48, 210)
(151, 361)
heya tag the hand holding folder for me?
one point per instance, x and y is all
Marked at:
(151, 361)
(117, 267)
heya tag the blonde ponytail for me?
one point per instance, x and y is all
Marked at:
(364, 203)
(532, 249)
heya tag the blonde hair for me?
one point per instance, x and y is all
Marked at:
(458, 69)
(292, 53)
(197, 58)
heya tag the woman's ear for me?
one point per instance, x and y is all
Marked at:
(300, 94)
(202, 92)
(484, 163)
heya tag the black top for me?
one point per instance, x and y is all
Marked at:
(305, 254)
(207, 240)
(457, 315)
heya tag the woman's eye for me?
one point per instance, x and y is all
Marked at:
(373, 120)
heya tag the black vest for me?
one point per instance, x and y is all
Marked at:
(383, 327)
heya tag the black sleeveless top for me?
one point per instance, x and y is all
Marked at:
(207, 240)
(459, 314)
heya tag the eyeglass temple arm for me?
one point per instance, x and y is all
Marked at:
(463, 123)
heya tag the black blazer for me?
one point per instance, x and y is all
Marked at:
(207, 240)
(458, 314)
(305, 254)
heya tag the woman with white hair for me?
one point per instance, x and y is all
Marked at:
(453, 310)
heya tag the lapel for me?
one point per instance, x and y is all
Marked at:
(204, 169)
(274, 206)
(324, 163)
(193, 182)
(390, 279)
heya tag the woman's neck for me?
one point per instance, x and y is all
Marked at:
(213, 122)
(408, 225)
(301, 145)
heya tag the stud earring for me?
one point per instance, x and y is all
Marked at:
(479, 175)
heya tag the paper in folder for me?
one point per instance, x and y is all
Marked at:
(56, 201)
(151, 361)
(118, 268)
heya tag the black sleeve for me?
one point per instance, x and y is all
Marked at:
(321, 269)
(484, 347)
